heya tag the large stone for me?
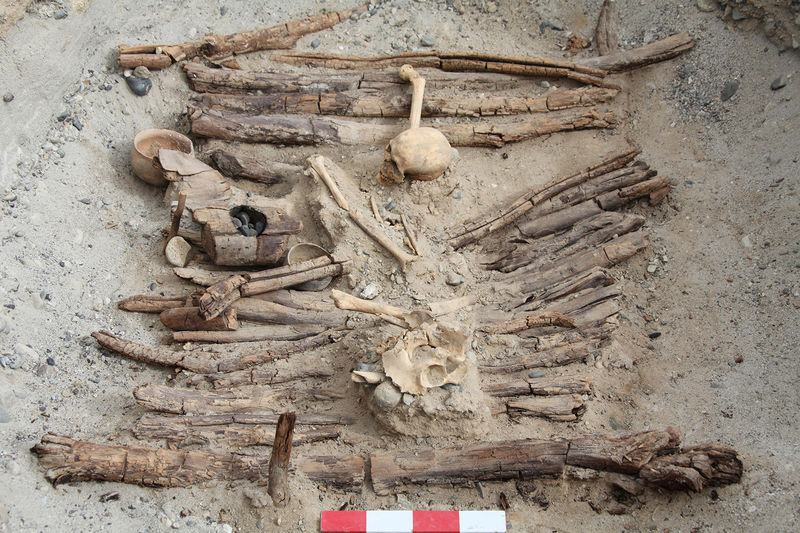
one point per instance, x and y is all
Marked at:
(386, 395)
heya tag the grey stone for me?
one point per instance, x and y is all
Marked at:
(370, 291)
(8, 97)
(408, 399)
(706, 5)
(141, 72)
(454, 280)
(60, 14)
(427, 41)
(223, 11)
(737, 15)
(728, 90)
(778, 83)
(315, 43)
(139, 86)
(386, 395)
(536, 374)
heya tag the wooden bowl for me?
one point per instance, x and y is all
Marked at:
(144, 152)
(306, 251)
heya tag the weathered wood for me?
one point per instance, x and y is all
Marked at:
(219, 46)
(488, 461)
(260, 286)
(579, 301)
(644, 55)
(558, 356)
(367, 104)
(450, 62)
(273, 332)
(182, 401)
(606, 34)
(694, 468)
(300, 130)
(175, 219)
(203, 276)
(68, 460)
(590, 279)
(546, 386)
(259, 170)
(412, 238)
(544, 342)
(278, 486)
(224, 430)
(256, 310)
(221, 295)
(512, 211)
(145, 303)
(659, 186)
(622, 451)
(266, 376)
(560, 408)
(534, 320)
(344, 473)
(189, 318)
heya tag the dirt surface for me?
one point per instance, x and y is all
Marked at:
(79, 231)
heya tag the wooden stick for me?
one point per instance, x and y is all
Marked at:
(450, 62)
(366, 104)
(175, 222)
(203, 277)
(410, 232)
(256, 310)
(219, 46)
(343, 473)
(375, 210)
(404, 258)
(259, 170)
(182, 401)
(221, 295)
(645, 55)
(606, 35)
(278, 486)
(546, 386)
(317, 163)
(257, 333)
(189, 318)
(145, 303)
(561, 408)
(297, 130)
(529, 321)
(265, 376)
(260, 286)
(559, 356)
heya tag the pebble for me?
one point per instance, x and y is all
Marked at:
(746, 242)
(706, 5)
(8, 97)
(651, 268)
(391, 204)
(408, 399)
(544, 84)
(427, 41)
(457, 195)
(60, 14)
(655, 335)
(223, 11)
(491, 7)
(177, 251)
(536, 375)
(615, 425)
(153, 286)
(370, 291)
(86, 201)
(51, 361)
(728, 90)
(386, 395)
(76, 123)
(454, 280)
(778, 83)
(139, 86)
(141, 72)
(315, 43)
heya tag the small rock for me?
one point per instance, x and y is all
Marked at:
(258, 498)
(544, 84)
(153, 286)
(737, 15)
(315, 43)
(491, 7)
(223, 11)
(391, 204)
(142, 72)
(454, 280)
(370, 291)
(615, 425)
(85, 201)
(651, 268)
(8, 97)
(139, 86)
(457, 195)
(746, 242)
(408, 399)
(60, 14)
(177, 251)
(728, 90)
(76, 123)
(427, 41)
(778, 83)
(386, 395)
(50, 361)
(706, 5)
(535, 375)
(655, 335)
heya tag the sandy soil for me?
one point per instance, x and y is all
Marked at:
(79, 231)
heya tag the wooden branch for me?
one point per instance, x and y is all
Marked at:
(256, 310)
(645, 55)
(579, 301)
(450, 62)
(256, 333)
(317, 164)
(175, 220)
(297, 130)
(368, 104)
(218, 297)
(650, 454)
(402, 256)
(534, 320)
(278, 486)
(265, 376)
(259, 170)
(229, 430)
(558, 356)
(188, 401)
(590, 279)
(526, 202)
(189, 318)
(203, 276)
(606, 35)
(546, 386)
(219, 46)
(145, 303)
(260, 286)
(561, 408)
(344, 473)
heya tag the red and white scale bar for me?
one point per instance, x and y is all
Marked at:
(413, 522)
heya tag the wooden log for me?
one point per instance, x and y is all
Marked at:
(558, 356)
(656, 188)
(297, 130)
(622, 451)
(221, 430)
(450, 62)
(255, 310)
(344, 473)
(512, 211)
(182, 401)
(265, 376)
(534, 320)
(175, 219)
(145, 303)
(585, 299)
(542, 343)
(561, 408)
(606, 34)
(189, 318)
(590, 279)
(203, 276)
(367, 104)
(644, 55)
(546, 386)
(68, 460)
(694, 468)
(256, 333)
(278, 486)
(219, 46)
(260, 286)
(500, 461)
(258, 170)
(218, 297)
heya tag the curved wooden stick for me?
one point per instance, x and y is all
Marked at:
(408, 73)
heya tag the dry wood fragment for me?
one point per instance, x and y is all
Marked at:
(278, 486)
(68, 460)
(256, 310)
(560, 408)
(367, 104)
(175, 221)
(450, 62)
(265, 376)
(644, 55)
(582, 300)
(189, 318)
(606, 35)
(259, 170)
(590, 279)
(273, 332)
(144, 303)
(259, 286)
(529, 321)
(694, 468)
(218, 297)
(558, 356)
(622, 451)
(182, 401)
(299, 130)
(344, 473)
(220, 46)
(546, 386)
